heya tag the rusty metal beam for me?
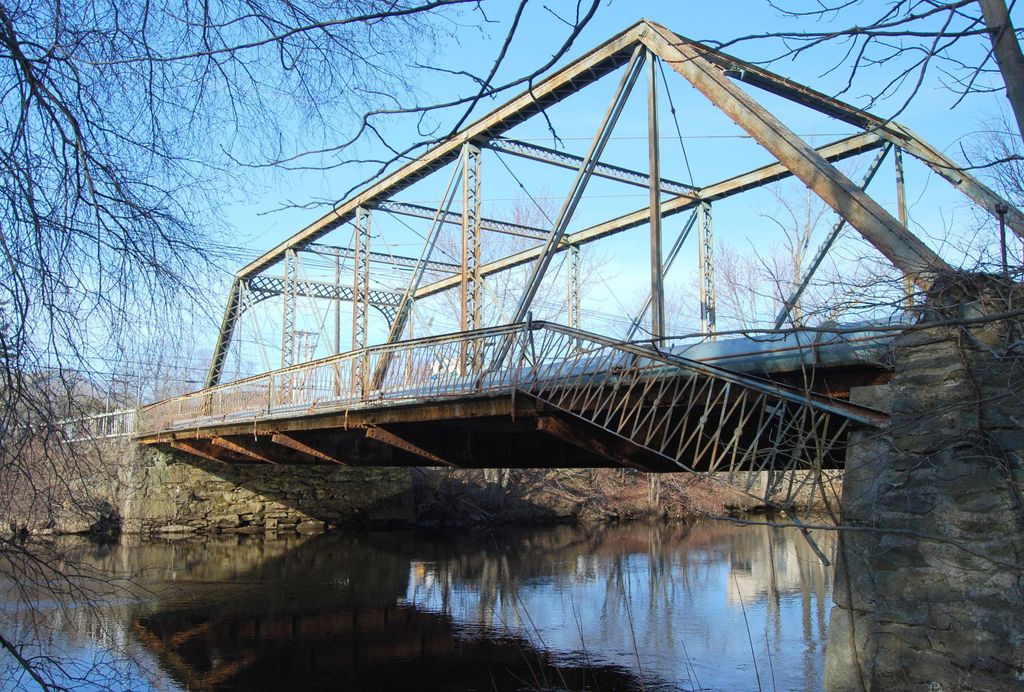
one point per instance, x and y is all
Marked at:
(881, 229)
(563, 159)
(190, 448)
(834, 151)
(240, 449)
(299, 446)
(389, 438)
(420, 212)
(376, 256)
(227, 327)
(977, 191)
(584, 437)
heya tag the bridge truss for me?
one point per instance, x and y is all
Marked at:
(634, 53)
(618, 401)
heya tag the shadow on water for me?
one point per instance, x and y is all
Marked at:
(606, 608)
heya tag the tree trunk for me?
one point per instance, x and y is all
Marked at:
(1008, 55)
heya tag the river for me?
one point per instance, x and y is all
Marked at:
(706, 605)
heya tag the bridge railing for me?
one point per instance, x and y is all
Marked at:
(421, 369)
(537, 357)
(100, 426)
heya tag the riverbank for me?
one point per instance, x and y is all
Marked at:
(148, 492)
(535, 496)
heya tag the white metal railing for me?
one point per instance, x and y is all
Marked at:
(100, 426)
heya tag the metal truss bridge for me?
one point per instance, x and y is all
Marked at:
(533, 394)
(539, 393)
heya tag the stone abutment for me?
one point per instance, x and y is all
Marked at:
(929, 591)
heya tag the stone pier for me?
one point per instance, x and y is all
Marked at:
(929, 590)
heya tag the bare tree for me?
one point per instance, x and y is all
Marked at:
(120, 129)
(890, 48)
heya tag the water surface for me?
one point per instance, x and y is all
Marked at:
(708, 605)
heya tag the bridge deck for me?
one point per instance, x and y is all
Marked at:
(525, 395)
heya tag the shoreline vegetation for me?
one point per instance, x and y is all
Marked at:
(588, 496)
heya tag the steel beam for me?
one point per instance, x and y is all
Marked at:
(586, 169)
(706, 259)
(834, 151)
(563, 159)
(288, 309)
(899, 135)
(981, 194)
(654, 166)
(901, 208)
(376, 257)
(227, 327)
(299, 446)
(361, 279)
(470, 271)
(826, 245)
(573, 296)
(886, 233)
(389, 438)
(419, 212)
(360, 296)
(337, 302)
(590, 438)
(669, 261)
(190, 448)
(232, 446)
(264, 287)
(429, 243)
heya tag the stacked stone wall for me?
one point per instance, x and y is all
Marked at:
(153, 491)
(929, 584)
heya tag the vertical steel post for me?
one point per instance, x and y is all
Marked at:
(634, 326)
(706, 257)
(288, 309)
(410, 333)
(360, 293)
(901, 204)
(337, 300)
(470, 286)
(1001, 210)
(654, 159)
(360, 278)
(243, 305)
(573, 297)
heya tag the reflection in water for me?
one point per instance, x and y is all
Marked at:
(609, 608)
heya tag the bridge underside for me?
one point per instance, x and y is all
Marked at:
(494, 432)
